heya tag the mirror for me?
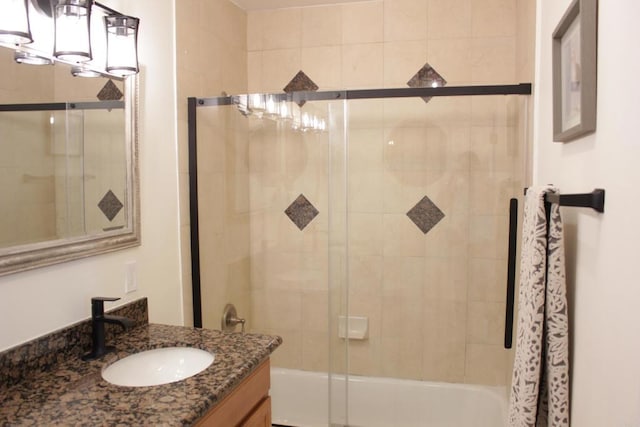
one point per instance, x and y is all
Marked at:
(68, 164)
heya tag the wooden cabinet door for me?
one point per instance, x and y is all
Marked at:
(261, 416)
(238, 408)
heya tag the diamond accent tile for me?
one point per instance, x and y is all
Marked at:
(425, 214)
(301, 212)
(427, 76)
(301, 82)
(110, 205)
(109, 92)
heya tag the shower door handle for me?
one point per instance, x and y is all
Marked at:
(511, 272)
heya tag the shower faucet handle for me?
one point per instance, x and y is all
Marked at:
(230, 319)
(235, 321)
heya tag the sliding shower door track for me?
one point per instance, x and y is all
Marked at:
(298, 97)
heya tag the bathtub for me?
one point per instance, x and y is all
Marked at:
(299, 398)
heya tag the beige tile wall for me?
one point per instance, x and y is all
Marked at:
(435, 302)
(211, 40)
(383, 43)
(289, 267)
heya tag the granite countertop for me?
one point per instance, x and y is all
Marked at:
(72, 392)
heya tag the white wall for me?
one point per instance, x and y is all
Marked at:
(37, 302)
(602, 253)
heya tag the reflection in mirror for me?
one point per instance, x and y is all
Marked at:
(67, 164)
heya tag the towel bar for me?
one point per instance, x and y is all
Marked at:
(593, 200)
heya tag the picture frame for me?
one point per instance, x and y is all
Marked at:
(574, 64)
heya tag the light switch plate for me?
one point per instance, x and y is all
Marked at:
(130, 277)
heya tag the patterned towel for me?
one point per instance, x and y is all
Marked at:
(540, 385)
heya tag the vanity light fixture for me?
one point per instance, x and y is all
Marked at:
(14, 22)
(64, 33)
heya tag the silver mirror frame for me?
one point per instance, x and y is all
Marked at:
(26, 257)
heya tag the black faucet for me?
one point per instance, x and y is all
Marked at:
(98, 319)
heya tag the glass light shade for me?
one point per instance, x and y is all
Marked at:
(122, 44)
(271, 107)
(306, 122)
(296, 121)
(285, 111)
(242, 103)
(42, 29)
(257, 103)
(72, 22)
(14, 22)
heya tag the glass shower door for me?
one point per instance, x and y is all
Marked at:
(271, 244)
(429, 184)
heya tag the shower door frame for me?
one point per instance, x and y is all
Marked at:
(300, 97)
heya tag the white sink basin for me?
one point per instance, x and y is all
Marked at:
(159, 366)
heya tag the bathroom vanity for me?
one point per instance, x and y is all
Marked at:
(60, 388)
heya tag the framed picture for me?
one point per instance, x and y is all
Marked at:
(574, 71)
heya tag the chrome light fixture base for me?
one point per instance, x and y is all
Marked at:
(22, 57)
(82, 71)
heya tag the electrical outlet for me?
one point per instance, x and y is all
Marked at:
(130, 277)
